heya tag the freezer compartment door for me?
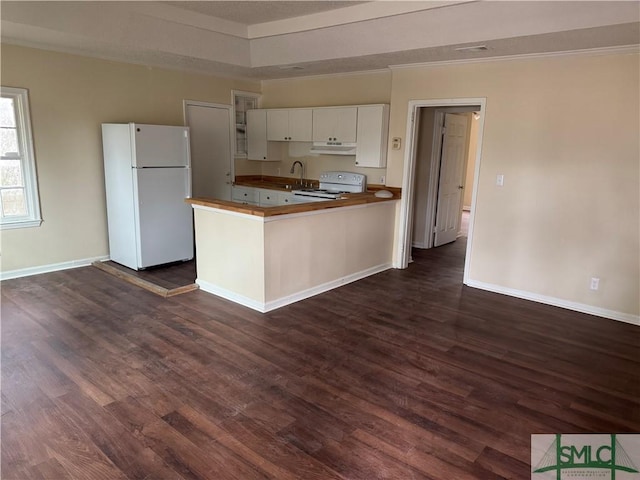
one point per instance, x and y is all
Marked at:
(160, 146)
(164, 220)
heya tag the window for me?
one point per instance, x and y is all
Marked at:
(19, 206)
(242, 101)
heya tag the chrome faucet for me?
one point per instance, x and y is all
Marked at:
(293, 167)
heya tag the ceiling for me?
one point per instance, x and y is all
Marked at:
(276, 39)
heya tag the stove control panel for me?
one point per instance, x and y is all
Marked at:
(344, 178)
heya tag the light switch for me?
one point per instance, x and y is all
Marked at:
(396, 143)
(500, 180)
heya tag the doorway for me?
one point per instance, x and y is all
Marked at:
(445, 152)
(425, 137)
(212, 140)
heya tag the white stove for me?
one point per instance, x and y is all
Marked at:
(333, 185)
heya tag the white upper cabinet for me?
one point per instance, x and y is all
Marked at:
(373, 132)
(292, 125)
(335, 124)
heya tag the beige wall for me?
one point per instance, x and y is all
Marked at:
(265, 263)
(305, 252)
(230, 252)
(564, 132)
(70, 97)
(324, 91)
(471, 162)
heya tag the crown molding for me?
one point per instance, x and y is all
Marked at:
(618, 50)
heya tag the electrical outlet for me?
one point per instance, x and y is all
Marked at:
(383, 180)
(278, 171)
(595, 283)
(500, 180)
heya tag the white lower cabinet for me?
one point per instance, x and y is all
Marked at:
(286, 198)
(264, 197)
(268, 198)
(245, 195)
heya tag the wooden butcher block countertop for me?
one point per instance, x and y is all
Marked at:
(347, 200)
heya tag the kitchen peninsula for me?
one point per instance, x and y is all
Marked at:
(268, 257)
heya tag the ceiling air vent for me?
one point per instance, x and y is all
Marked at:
(472, 48)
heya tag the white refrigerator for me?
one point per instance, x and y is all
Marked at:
(147, 178)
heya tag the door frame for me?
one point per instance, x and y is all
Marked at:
(403, 253)
(232, 137)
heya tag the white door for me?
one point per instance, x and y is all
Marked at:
(450, 187)
(164, 220)
(160, 146)
(211, 150)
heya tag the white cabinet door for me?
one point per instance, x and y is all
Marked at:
(278, 125)
(284, 125)
(335, 124)
(300, 125)
(256, 134)
(285, 198)
(245, 195)
(373, 131)
(268, 198)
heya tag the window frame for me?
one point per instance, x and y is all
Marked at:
(27, 159)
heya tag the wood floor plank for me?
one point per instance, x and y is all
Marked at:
(404, 374)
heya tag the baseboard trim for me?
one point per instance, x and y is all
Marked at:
(231, 296)
(54, 267)
(325, 287)
(264, 307)
(558, 302)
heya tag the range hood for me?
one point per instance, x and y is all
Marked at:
(333, 148)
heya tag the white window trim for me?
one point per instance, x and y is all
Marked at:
(25, 139)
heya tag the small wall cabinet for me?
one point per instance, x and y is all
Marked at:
(335, 124)
(291, 124)
(373, 132)
(243, 102)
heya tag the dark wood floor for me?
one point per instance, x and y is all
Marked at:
(403, 375)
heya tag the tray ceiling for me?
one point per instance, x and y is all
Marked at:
(265, 39)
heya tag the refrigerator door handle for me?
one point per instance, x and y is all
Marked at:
(188, 182)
